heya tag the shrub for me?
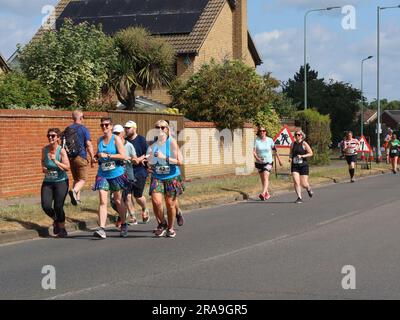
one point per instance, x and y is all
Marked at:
(19, 92)
(317, 129)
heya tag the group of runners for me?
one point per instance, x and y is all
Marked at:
(124, 161)
(265, 151)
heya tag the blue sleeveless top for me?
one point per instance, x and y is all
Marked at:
(55, 174)
(163, 170)
(112, 168)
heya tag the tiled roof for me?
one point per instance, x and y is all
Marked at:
(192, 42)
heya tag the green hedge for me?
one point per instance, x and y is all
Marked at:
(317, 129)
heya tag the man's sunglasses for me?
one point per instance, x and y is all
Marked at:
(53, 136)
(162, 128)
(298, 134)
(263, 130)
(105, 125)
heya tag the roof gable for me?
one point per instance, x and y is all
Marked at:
(3, 64)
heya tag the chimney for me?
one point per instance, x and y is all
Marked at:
(240, 36)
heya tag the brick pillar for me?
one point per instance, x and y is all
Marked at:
(240, 29)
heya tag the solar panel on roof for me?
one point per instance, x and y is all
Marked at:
(157, 16)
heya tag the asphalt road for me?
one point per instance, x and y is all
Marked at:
(250, 250)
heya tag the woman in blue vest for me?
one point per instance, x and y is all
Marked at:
(55, 164)
(166, 181)
(110, 176)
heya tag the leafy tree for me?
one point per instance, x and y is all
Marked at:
(338, 99)
(72, 63)
(17, 91)
(385, 105)
(143, 61)
(228, 94)
(294, 88)
(285, 106)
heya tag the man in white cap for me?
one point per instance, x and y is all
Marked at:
(130, 157)
(139, 167)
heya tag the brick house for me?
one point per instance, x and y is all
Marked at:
(3, 65)
(199, 30)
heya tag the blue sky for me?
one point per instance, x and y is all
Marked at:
(277, 27)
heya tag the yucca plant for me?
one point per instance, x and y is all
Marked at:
(143, 61)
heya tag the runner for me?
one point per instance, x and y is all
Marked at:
(55, 164)
(180, 220)
(264, 148)
(393, 146)
(350, 148)
(164, 158)
(388, 138)
(110, 177)
(139, 166)
(82, 147)
(130, 153)
(299, 152)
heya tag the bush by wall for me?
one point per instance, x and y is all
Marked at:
(317, 128)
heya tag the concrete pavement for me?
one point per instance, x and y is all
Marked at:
(249, 250)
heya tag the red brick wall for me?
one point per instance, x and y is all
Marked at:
(22, 137)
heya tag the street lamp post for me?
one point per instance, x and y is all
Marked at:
(379, 153)
(305, 48)
(362, 90)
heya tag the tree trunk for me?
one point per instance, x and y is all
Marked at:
(131, 99)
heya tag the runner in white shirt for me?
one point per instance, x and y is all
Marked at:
(350, 148)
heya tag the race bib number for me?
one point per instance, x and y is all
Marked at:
(394, 151)
(108, 166)
(52, 175)
(163, 169)
(297, 160)
(269, 167)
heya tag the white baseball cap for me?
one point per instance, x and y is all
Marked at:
(131, 124)
(118, 128)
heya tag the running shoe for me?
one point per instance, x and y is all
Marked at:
(72, 195)
(310, 193)
(267, 196)
(56, 228)
(171, 233)
(261, 196)
(299, 200)
(62, 234)
(160, 233)
(100, 233)
(132, 220)
(124, 231)
(352, 181)
(162, 225)
(179, 218)
(145, 215)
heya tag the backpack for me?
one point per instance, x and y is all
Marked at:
(70, 142)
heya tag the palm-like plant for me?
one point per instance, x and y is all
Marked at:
(143, 61)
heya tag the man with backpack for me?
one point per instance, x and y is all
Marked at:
(76, 141)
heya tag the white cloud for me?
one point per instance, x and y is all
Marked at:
(334, 56)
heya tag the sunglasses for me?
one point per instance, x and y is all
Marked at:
(263, 130)
(298, 134)
(53, 136)
(105, 125)
(162, 128)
